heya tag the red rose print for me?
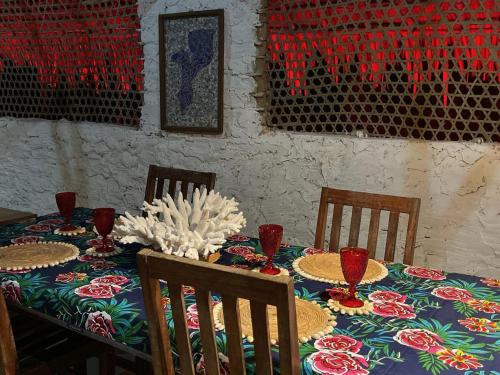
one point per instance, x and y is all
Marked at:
(285, 245)
(192, 315)
(86, 258)
(451, 293)
(482, 305)
(95, 242)
(70, 276)
(188, 290)
(255, 258)
(110, 279)
(458, 359)
(479, 325)
(17, 272)
(52, 222)
(102, 264)
(313, 250)
(238, 238)
(97, 290)
(393, 309)
(26, 239)
(223, 365)
(333, 362)
(11, 291)
(424, 273)
(386, 296)
(164, 302)
(493, 283)
(39, 228)
(240, 250)
(192, 320)
(100, 323)
(338, 342)
(420, 339)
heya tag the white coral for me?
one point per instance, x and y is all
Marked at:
(182, 229)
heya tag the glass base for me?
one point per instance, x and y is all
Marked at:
(270, 270)
(337, 294)
(68, 228)
(104, 249)
(352, 302)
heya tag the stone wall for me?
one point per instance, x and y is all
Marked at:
(276, 175)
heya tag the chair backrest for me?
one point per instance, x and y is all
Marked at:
(231, 284)
(8, 358)
(377, 203)
(157, 176)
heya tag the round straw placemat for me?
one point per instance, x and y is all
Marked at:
(36, 255)
(326, 268)
(313, 321)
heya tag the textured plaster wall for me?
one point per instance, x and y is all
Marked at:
(276, 175)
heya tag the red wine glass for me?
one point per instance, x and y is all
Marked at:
(104, 220)
(66, 205)
(354, 261)
(270, 236)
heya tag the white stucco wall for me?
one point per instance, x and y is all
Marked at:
(276, 175)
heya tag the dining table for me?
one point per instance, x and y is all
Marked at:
(424, 321)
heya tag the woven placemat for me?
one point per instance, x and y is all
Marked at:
(326, 268)
(313, 321)
(36, 255)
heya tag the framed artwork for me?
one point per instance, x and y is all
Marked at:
(192, 71)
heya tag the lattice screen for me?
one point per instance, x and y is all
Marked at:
(75, 59)
(392, 68)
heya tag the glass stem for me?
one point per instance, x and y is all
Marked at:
(352, 291)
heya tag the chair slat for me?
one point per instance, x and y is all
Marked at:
(354, 228)
(184, 189)
(172, 187)
(159, 189)
(205, 316)
(157, 326)
(411, 234)
(260, 328)
(181, 330)
(287, 332)
(336, 225)
(319, 241)
(233, 334)
(392, 234)
(8, 357)
(373, 232)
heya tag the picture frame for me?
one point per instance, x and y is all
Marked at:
(192, 71)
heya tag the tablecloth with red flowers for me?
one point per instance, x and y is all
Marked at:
(424, 321)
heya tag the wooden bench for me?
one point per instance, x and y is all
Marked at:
(8, 216)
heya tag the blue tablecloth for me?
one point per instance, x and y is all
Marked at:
(425, 321)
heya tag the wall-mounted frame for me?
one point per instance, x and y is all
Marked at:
(192, 71)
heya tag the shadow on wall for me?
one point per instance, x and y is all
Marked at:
(421, 162)
(70, 160)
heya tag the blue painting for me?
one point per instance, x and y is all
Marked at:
(192, 72)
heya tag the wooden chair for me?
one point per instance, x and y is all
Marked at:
(377, 203)
(41, 348)
(231, 284)
(157, 176)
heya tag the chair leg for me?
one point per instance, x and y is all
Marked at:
(107, 362)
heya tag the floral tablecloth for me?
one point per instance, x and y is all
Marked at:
(424, 321)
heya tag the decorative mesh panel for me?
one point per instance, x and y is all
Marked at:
(76, 59)
(391, 68)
